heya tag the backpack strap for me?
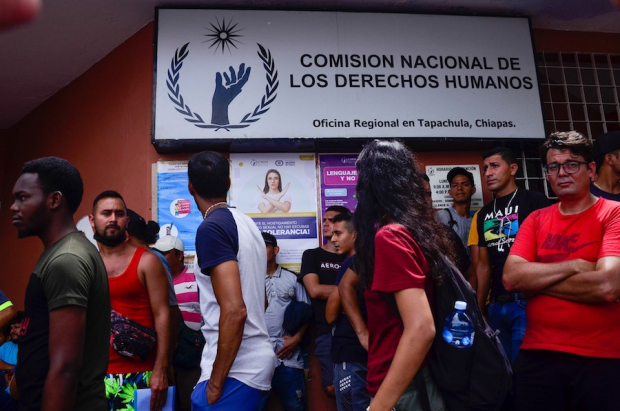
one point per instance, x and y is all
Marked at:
(452, 221)
(420, 383)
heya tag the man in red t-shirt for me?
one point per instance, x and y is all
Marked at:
(567, 257)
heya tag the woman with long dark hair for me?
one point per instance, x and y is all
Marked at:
(273, 198)
(399, 247)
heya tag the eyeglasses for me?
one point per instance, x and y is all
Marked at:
(570, 167)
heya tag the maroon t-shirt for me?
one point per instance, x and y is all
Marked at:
(399, 265)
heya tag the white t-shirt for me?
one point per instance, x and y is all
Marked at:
(225, 235)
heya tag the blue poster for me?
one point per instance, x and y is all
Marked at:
(177, 213)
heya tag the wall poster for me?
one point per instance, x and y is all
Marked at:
(338, 177)
(177, 213)
(438, 176)
(278, 191)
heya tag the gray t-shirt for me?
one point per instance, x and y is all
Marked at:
(459, 224)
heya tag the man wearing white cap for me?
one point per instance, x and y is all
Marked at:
(186, 359)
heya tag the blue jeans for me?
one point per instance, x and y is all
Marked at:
(288, 383)
(235, 396)
(323, 352)
(509, 319)
(350, 386)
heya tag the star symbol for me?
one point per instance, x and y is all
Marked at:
(223, 35)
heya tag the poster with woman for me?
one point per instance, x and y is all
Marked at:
(278, 191)
(273, 198)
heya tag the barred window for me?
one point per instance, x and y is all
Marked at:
(580, 91)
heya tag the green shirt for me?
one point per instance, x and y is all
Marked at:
(69, 272)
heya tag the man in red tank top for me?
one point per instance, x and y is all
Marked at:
(138, 291)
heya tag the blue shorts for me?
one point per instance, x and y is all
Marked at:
(235, 396)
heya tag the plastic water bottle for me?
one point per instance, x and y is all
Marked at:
(458, 329)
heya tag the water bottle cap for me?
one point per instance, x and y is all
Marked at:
(460, 305)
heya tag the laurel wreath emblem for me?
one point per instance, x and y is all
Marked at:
(174, 91)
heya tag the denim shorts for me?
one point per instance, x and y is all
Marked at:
(350, 386)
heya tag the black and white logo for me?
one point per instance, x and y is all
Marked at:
(223, 35)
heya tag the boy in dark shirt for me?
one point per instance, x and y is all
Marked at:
(319, 268)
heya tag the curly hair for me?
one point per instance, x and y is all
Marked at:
(390, 189)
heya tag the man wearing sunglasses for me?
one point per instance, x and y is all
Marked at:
(567, 258)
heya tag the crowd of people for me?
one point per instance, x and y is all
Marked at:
(101, 324)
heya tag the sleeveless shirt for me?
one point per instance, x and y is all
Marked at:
(129, 297)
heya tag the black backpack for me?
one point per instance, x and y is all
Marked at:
(469, 379)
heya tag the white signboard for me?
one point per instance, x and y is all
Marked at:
(240, 74)
(438, 176)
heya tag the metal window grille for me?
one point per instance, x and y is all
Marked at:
(579, 91)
